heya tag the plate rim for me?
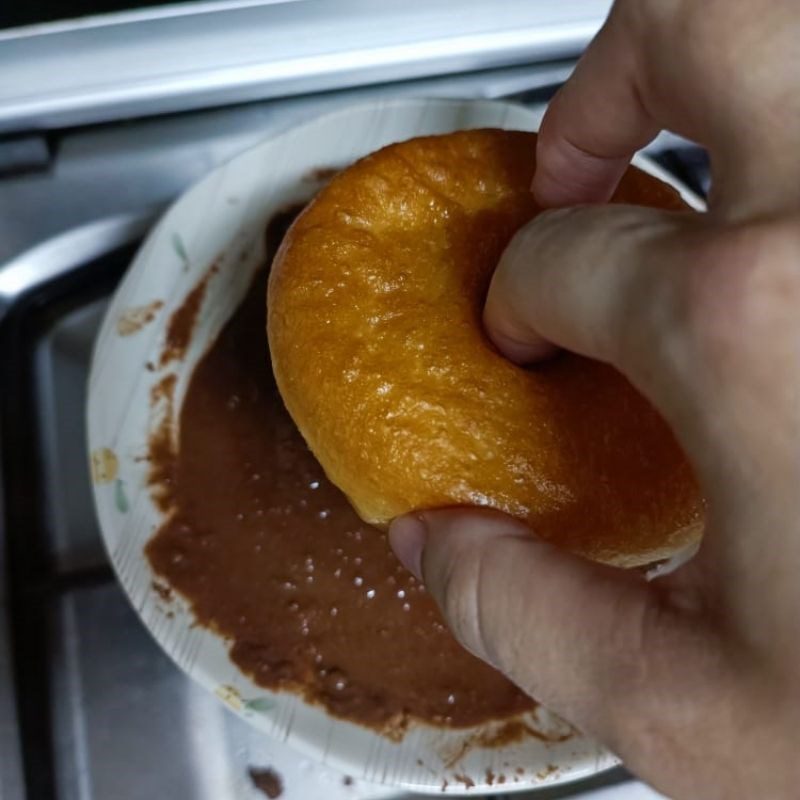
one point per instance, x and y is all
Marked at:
(196, 671)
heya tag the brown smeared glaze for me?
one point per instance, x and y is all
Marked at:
(321, 175)
(267, 781)
(132, 320)
(181, 323)
(271, 555)
(162, 454)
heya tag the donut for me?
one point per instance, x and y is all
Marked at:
(374, 324)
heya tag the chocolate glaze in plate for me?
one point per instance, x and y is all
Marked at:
(213, 236)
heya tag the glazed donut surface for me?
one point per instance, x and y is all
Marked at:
(374, 323)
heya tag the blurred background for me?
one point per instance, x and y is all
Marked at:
(108, 110)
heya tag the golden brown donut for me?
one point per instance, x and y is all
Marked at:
(374, 323)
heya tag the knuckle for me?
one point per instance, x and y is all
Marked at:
(716, 300)
(742, 292)
(478, 608)
(651, 303)
(459, 600)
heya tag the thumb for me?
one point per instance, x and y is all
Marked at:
(570, 632)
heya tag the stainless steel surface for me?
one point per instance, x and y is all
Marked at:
(123, 168)
(22, 153)
(60, 255)
(149, 62)
(127, 167)
(137, 13)
(11, 779)
(134, 727)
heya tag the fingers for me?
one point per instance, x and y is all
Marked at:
(654, 294)
(573, 276)
(679, 66)
(578, 636)
(607, 282)
(594, 124)
(675, 304)
(650, 292)
(599, 646)
(702, 319)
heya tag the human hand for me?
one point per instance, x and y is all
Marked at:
(692, 678)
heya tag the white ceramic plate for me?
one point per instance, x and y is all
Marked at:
(221, 219)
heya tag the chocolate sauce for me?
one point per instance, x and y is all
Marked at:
(181, 324)
(267, 781)
(270, 555)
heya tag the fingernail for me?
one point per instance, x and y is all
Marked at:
(407, 536)
(523, 352)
